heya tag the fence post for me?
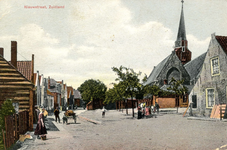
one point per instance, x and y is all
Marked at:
(4, 139)
(220, 112)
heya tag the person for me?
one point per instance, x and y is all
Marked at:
(65, 119)
(157, 107)
(56, 113)
(41, 128)
(37, 112)
(103, 112)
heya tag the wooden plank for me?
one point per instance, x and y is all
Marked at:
(18, 91)
(24, 106)
(13, 78)
(20, 98)
(16, 83)
(23, 103)
(16, 87)
(4, 139)
(7, 69)
(10, 74)
(213, 111)
(4, 65)
(186, 110)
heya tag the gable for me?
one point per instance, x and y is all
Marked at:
(14, 85)
(156, 71)
(173, 68)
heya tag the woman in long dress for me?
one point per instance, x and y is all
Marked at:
(40, 128)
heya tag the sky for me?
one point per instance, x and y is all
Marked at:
(86, 38)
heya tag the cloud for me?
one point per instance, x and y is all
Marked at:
(93, 37)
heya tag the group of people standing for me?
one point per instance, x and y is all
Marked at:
(142, 111)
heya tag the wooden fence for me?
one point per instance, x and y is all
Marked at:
(15, 125)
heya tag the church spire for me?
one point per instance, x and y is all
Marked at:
(181, 44)
(181, 36)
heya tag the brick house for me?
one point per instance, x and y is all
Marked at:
(211, 87)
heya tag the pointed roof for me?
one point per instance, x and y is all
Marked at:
(194, 67)
(181, 30)
(222, 40)
(25, 67)
(14, 85)
(157, 69)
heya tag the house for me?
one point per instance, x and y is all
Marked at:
(50, 101)
(62, 102)
(14, 85)
(211, 86)
(70, 96)
(55, 89)
(41, 89)
(77, 98)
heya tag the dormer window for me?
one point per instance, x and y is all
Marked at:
(215, 66)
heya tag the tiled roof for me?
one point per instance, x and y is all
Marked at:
(195, 66)
(155, 72)
(25, 67)
(49, 93)
(222, 40)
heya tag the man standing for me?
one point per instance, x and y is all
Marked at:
(56, 113)
(157, 107)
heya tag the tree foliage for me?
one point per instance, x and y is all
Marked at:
(177, 87)
(92, 89)
(6, 109)
(117, 93)
(129, 81)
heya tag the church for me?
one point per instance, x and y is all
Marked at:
(178, 65)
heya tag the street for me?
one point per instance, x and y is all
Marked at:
(120, 131)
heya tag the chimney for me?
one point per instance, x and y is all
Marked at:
(48, 82)
(33, 79)
(2, 51)
(14, 53)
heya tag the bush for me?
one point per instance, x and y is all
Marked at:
(6, 109)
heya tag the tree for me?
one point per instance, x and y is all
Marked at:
(154, 90)
(92, 89)
(130, 81)
(7, 109)
(177, 88)
(116, 93)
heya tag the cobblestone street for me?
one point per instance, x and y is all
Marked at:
(120, 131)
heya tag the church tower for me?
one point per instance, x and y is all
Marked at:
(181, 44)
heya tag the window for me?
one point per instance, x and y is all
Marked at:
(184, 98)
(214, 66)
(209, 98)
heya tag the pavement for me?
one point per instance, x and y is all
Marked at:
(58, 132)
